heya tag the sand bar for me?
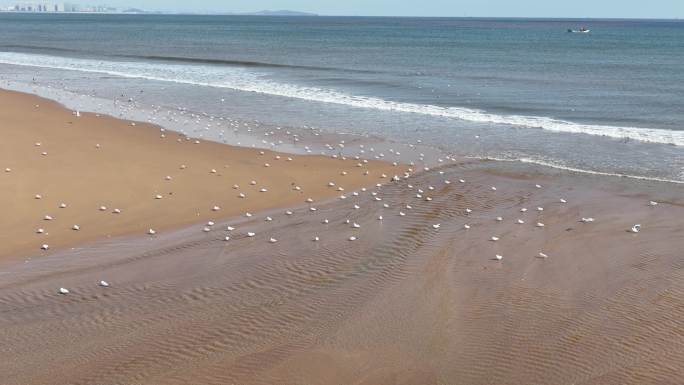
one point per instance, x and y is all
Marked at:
(50, 156)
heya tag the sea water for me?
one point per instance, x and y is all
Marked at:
(610, 101)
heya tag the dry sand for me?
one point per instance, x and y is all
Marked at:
(128, 171)
(405, 303)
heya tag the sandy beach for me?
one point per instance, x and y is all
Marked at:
(95, 165)
(398, 284)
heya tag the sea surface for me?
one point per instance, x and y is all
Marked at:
(610, 101)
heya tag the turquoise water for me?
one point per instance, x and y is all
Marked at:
(607, 101)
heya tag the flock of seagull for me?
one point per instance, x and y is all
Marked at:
(335, 151)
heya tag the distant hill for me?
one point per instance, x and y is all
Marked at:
(280, 13)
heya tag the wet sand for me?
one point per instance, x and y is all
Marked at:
(48, 151)
(405, 303)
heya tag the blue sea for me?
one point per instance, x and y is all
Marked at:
(609, 101)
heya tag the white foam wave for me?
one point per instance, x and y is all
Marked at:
(245, 80)
(578, 170)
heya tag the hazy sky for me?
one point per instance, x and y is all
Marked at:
(668, 9)
(520, 8)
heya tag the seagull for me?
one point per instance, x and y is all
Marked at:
(103, 208)
(62, 205)
(288, 212)
(158, 196)
(563, 201)
(230, 228)
(499, 219)
(468, 211)
(356, 225)
(248, 215)
(494, 239)
(498, 257)
(206, 229)
(466, 226)
(542, 255)
(540, 209)
(215, 208)
(537, 186)
(117, 211)
(653, 203)
(436, 226)
(380, 217)
(104, 283)
(250, 234)
(352, 238)
(47, 218)
(75, 227)
(38, 196)
(63, 291)
(401, 213)
(273, 240)
(44, 247)
(522, 210)
(40, 231)
(151, 232)
(268, 219)
(539, 224)
(227, 238)
(636, 228)
(587, 220)
(315, 239)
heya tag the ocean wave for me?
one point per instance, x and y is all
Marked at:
(242, 79)
(239, 63)
(559, 166)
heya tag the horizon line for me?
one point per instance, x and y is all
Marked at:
(314, 15)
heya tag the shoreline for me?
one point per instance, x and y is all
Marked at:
(138, 113)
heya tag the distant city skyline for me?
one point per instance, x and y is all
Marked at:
(666, 9)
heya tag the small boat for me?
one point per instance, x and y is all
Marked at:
(581, 30)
